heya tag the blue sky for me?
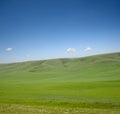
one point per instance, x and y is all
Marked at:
(47, 29)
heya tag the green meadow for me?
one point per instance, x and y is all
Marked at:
(88, 85)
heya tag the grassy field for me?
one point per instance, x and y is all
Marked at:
(89, 85)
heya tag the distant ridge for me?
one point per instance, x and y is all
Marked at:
(61, 63)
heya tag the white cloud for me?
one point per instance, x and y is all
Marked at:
(71, 50)
(9, 49)
(88, 49)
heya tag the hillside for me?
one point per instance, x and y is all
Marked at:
(77, 82)
(66, 64)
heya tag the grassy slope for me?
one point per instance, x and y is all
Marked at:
(91, 82)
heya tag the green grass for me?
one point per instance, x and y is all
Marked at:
(88, 85)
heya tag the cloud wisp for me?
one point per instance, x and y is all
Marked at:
(71, 50)
(9, 49)
(88, 49)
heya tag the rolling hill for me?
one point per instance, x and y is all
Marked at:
(62, 64)
(88, 82)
